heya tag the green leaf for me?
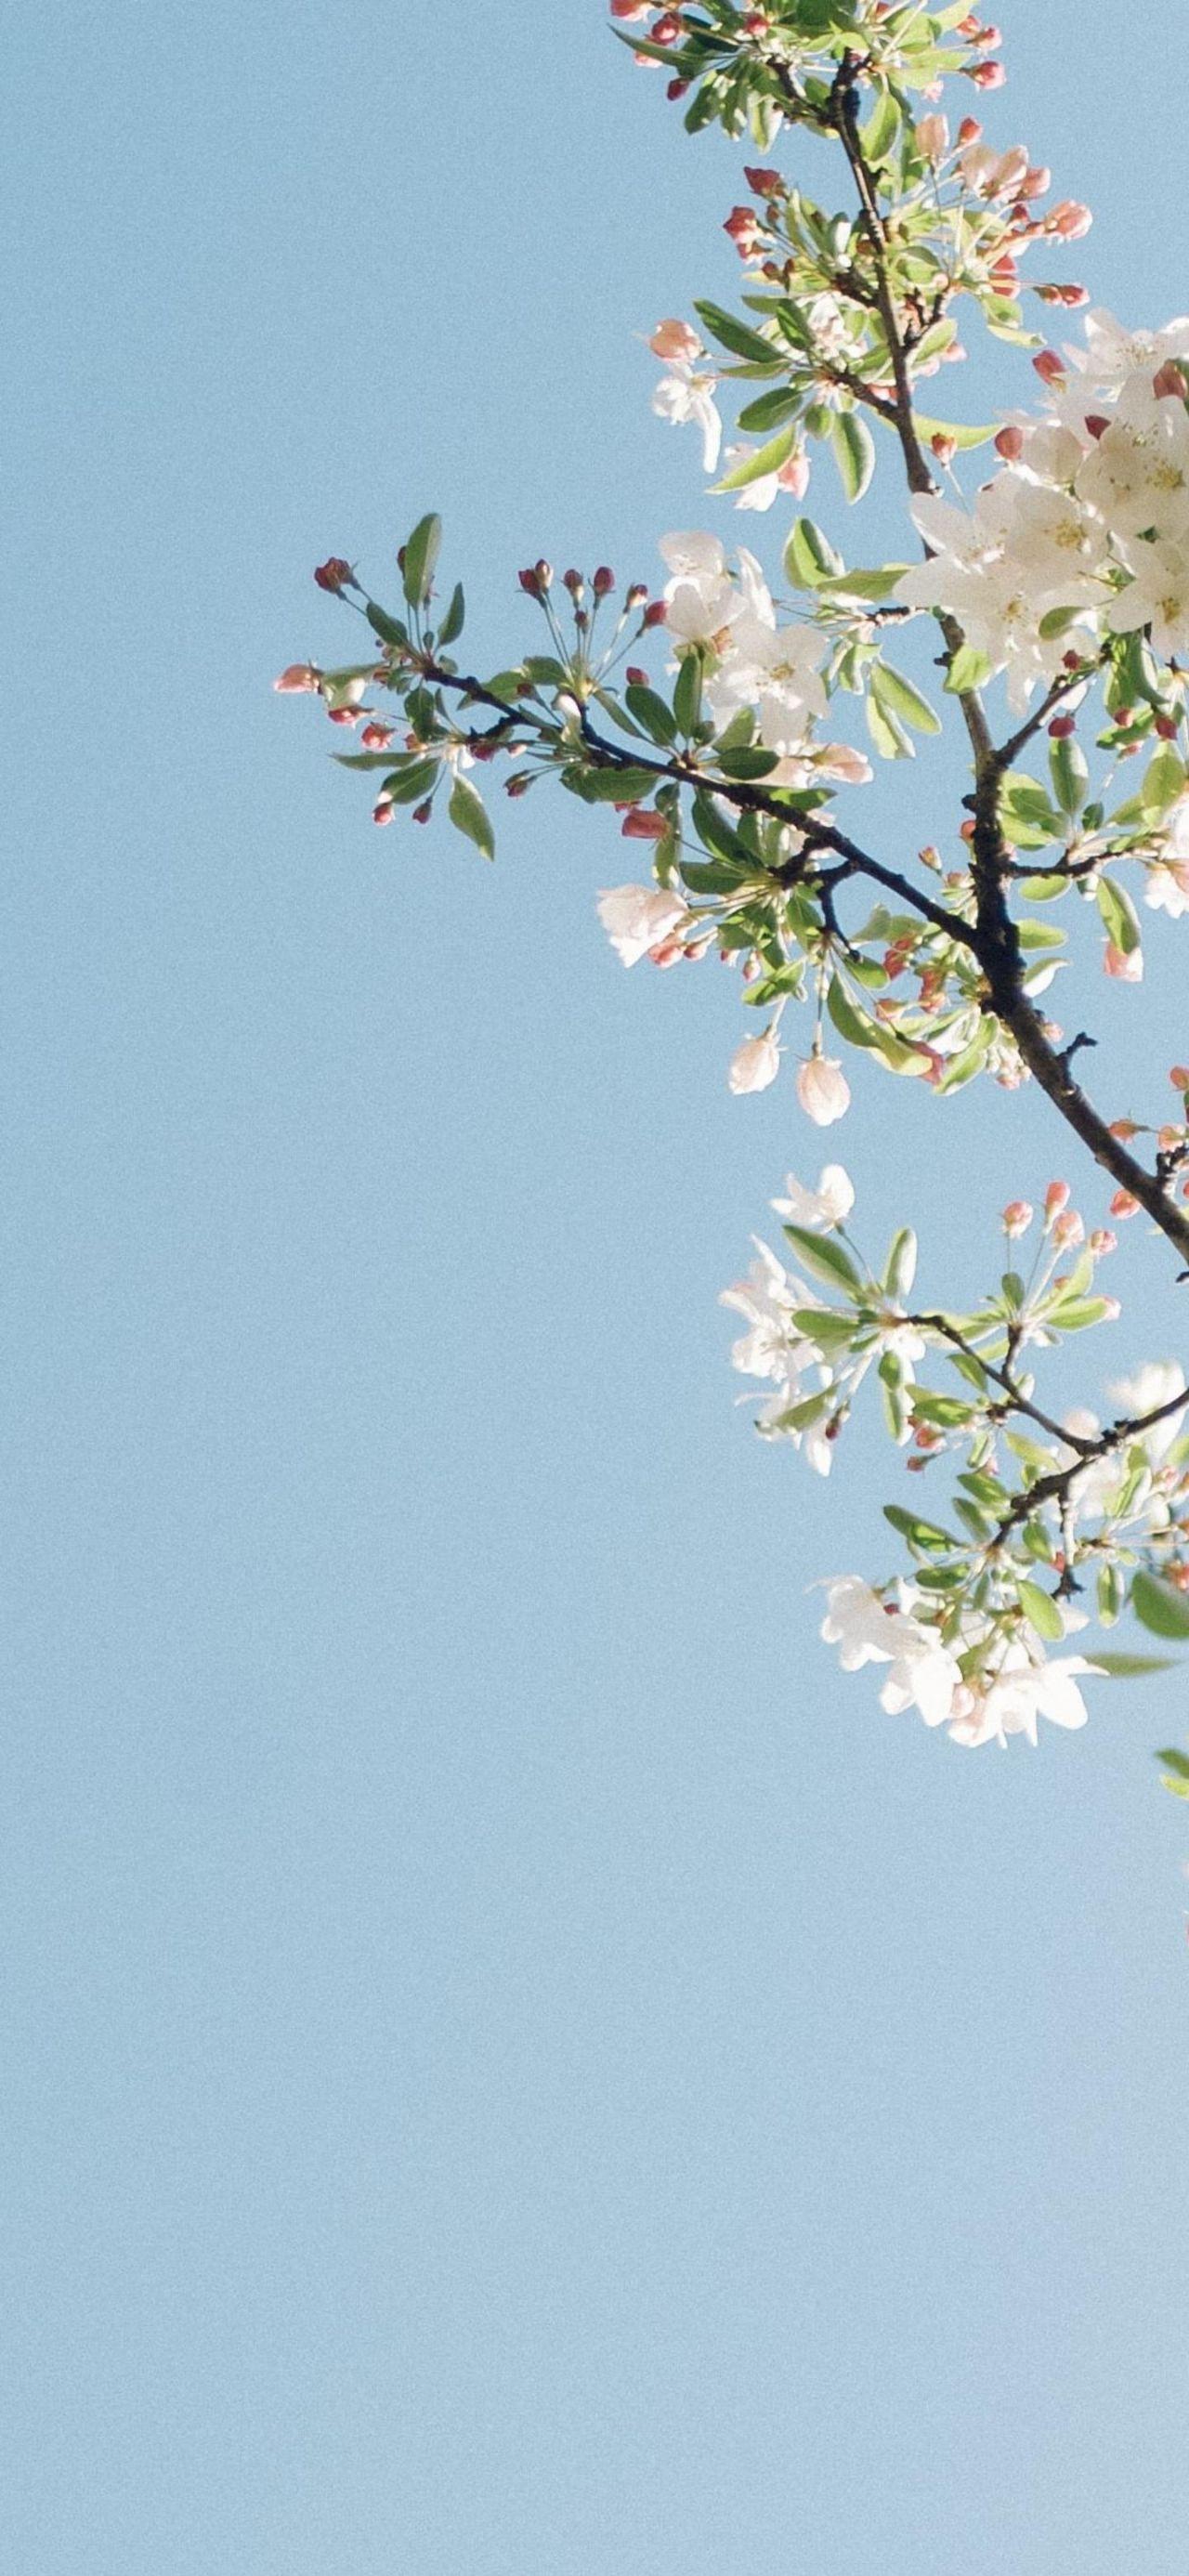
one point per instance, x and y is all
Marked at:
(651, 712)
(609, 786)
(391, 630)
(736, 336)
(901, 1267)
(1041, 1612)
(766, 460)
(822, 1324)
(687, 695)
(1159, 1608)
(1120, 916)
(718, 834)
(452, 623)
(768, 410)
(873, 582)
(1070, 776)
(898, 697)
(745, 765)
(1029, 818)
(1132, 1668)
(887, 732)
(924, 1537)
(825, 1260)
(968, 670)
(1164, 782)
(881, 131)
(854, 452)
(469, 815)
(421, 555)
(809, 558)
(954, 429)
(1171, 1753)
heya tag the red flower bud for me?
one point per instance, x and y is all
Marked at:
(603, 581)
(335, 575)
(1062, 727)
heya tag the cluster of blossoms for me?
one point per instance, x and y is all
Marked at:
(1040, 1517)
(1057, 605)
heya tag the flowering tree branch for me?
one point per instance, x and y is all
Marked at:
(1063, 583)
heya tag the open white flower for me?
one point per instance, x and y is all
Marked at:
(1024, 1688)
(1113, 353)
(923, 1674)
(1152, 1386)
(1137, 474)
(1158, 597)
(701, 599)
(819, 1210)
(637, 918)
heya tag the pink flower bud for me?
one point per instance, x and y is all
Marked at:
(655, 614)
(1070, 220)
(1057, 1198)
(932, 137)
(1009, 444)
(1124, 1129)
(636, 678)
(1123, 967)
(1037, 181)
(1049, 367)
(637, 595)
(1102, 1242)
(754, 1065)
(766, 183)
(375, 737)
(823, 1090)
(1017, 1217)
(297, 677)
(1180, 1076)
(383, 812)
(666, 29)
(1062, 727)
(970, 131)
(1167, 380)
(641, 826)
(630, 8)
(1123, 1204)
(985, 75)
(743, 227)
(1069, 1229)
(944, 448)
(334, 574)
(675, 340)
(603, 581)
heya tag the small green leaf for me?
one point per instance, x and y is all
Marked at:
(1070, 775)
(923, 1537)
(825, 1260)
(1159, 1608)
(854, 451)
(1171, 1753)
(421, 555)
(765, 460)
(687, 695)
(452, 623)
(809, 558)
(968, 670)
(901, 1267)
(737, 336)
(469, 815)
(1120, 916)
(1041, 1612)
(651, 712)
(1133, 1668)
(962, 437)
(899, 698)
(391, 630)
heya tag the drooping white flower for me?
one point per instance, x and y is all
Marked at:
(822, 1209)
(687, 394)
(754, 1065)
(823, 1090)
(637, 918)
(1024, 1687)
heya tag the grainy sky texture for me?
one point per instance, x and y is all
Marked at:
(513, 2066)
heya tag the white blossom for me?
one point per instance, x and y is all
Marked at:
(823, 1090)
(818, 1210)
(754, 1065)
(637, 918)
(687, 394)
(923, 1673)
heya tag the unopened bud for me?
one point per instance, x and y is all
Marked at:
(1017, 1217)
(1057, 1198)
(944, 447)
(1179, 1075)
(1049, 367)
(985, 75)
(603, 581)
(335, 575)
(655, 614)
(383, 812)
(637, 595)
(970, 131)
(1102, 1241)
(1062, 727)
(1069, 1228)
(1009, 444)
(1123, 1205)
(421, 813)
(639, 825)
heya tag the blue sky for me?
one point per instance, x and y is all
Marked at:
(512, 2064)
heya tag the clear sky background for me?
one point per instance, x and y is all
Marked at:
(513, 2066)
